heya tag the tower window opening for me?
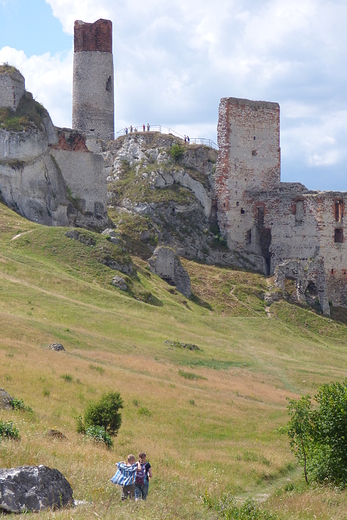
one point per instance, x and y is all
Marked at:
(299, 212)
(338, 210)
(242, 211)
(338, 238)
(260, 216)
(248, 237)
(109, 84)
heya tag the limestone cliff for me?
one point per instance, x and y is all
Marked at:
(44, 175)
(161, 192)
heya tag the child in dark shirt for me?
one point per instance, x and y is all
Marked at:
(142, 478)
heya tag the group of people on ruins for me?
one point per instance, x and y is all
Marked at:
(132, 129)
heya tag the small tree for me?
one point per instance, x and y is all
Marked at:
(318, 436)
(105, 413)
(176, 152)
(299, 429)
(330, 435)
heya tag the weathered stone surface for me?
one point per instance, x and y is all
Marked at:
(166, 264)
(310, 281)
(33, 488)
(112, 235)
(5, 400)
(81, 237)
(113, 264)
(271, 297)
(56, 346)
(119, 282)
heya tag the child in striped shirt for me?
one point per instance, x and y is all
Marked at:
(128, 471)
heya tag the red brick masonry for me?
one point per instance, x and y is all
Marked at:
(95, 36)
(71, 141)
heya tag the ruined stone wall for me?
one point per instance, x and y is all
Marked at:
(84, 175)
(330, 209)
(271, 221)
(12, 87)
(249, 159)
(310, 226)
(93, 80)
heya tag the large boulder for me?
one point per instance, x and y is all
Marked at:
(166, 264)
(5, 400)
(33, 488)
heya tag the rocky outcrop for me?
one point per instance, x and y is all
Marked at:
(166, 264)
(5, 400)
(48, 175)
(119, 282)
(171, 202)
(33, 488)
(310, 282)
(57, 347)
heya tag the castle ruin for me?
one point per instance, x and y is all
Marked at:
(50, 176)
(282, 226)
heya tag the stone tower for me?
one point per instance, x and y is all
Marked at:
(12, 87)
(249, 162)
(93, 83)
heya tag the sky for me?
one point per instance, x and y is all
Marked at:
(174, 61)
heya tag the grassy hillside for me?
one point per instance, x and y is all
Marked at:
(211, 432)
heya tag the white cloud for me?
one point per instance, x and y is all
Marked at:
(175, 60)
(49, 78)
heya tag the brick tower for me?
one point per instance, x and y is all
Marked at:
(93, 83)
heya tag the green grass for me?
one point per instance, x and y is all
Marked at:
(27, 115)
(216, 433)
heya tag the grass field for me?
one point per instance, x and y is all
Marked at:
(214, 431)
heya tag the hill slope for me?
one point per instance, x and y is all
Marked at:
(207, 418)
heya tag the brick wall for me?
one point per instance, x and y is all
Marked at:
(89, 37)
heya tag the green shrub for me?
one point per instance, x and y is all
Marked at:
(67, 378)
(190, 375)
(97, 368)
(227, 508)
(318, 433)
(18, 404)
(8, 431)
(98, 434)
(28, 115)
(80, 428)
(105, 413)
(176, 152)
(144, 411)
